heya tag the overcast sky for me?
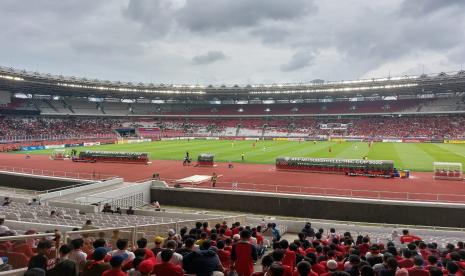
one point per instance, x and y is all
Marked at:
(232, 41)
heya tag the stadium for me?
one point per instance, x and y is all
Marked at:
(149, 177)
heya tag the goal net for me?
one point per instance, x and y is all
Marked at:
(58, 154)
(447, 171)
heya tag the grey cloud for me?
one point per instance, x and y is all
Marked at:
(219, 15)
(154, 40)
(298, 61)
(208, 57)
(156, 16)
(425, 7)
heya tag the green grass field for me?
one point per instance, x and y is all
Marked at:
(413, 156)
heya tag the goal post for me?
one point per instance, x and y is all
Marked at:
(58, 154)
(447, 170)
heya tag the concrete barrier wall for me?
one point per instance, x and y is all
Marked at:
(80, 207)
(32, 182)
(359, 210)
(119, 193)
(24, 226)
(95, 185)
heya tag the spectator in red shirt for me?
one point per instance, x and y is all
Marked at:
(436, 271)
(406, 261)
(316, 267)
(364, 247)
(304, 269)
(417, 269)
(243, 255)
(432, 262)
(142, 244)
(275, 270)
(116, 262)
(166, 268)
(289, 256)
(145, 268)
(278, 256)
(407, 238)
(453, 269)
(332, 266)
(224, 255)
(267, 261)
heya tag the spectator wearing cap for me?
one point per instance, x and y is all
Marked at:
(64, 266)
(158, 245)
(243, 255)
(145, 268)
(116, 263)
(166, 267)
(332, 266)
(417, 269)
(176, 258)
(97, 265)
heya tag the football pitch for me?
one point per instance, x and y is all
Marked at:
(412, 156)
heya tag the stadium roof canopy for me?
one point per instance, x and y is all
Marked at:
(22, 81)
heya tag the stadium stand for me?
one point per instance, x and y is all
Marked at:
(46, 108)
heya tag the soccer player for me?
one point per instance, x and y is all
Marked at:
(330, 149)
(242, 157)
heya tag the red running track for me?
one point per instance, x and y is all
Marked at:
(257, 177)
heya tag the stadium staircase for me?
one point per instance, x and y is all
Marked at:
(48, 102)
(67, 106)
(238, 129)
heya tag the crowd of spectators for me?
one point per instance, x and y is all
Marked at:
(64, 127)
(244, 251)
(372, 127)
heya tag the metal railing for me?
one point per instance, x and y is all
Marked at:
(131, 233)
(30, 138)
(62, 174)
(328, 192)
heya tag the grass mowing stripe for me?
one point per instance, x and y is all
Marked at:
(441, 154)
(385, 151)
(356, 150)
(414, 156)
